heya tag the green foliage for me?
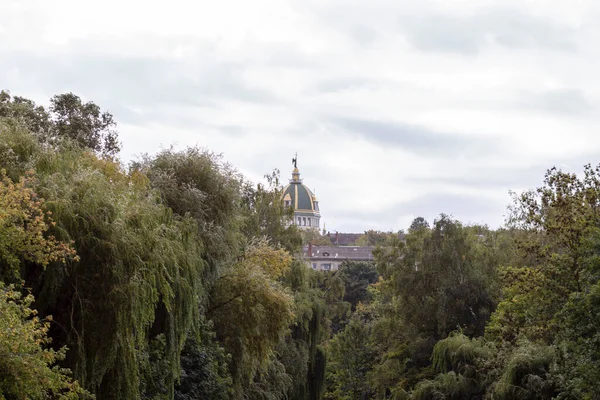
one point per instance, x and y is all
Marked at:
(27, 364)
(139, 269)
(17, 148)
(419, 223)
(357, 277)
(301, 351)
(68, 119)
(251, 311)
(314, 236)
(198, 184)
(178, 239)
(23, 224)
(457, 352)
(270, 383)
(447, 386)
(204, 363)
(35, 118)
(377, 238)
(266, 216)
(175, 279)
(350, 358)
(439, 280)
(137, 273)
(84, 123)
(556, 218)
(526, 375)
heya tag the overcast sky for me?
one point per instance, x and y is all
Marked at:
(397, 109)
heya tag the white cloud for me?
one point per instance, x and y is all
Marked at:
(397, 109)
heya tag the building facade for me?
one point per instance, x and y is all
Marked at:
(329, 258)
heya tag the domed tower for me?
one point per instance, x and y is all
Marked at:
(302, 200)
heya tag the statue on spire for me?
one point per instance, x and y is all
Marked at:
(295, 161)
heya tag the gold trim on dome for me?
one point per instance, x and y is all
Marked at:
(306, 210)
(295, 197)
(287, 197)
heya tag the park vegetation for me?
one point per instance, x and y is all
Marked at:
(174, 277)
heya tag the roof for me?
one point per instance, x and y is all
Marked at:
(301, 198)
(355, 253)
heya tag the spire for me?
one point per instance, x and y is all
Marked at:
(295, 171)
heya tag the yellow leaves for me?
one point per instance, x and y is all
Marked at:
(23, 223)
(26, 365)
(251, 308)
(274, 262)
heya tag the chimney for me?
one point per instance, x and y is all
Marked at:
(336, 238)
(309, 249)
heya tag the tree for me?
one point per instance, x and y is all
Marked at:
(26, 112)
(23, 226)
(27, 365)
(377, 238)
(314, 236)
(266, 216)
(418, 223)
(251, 310)
(68, 118)
(199, 184)
(84, 123)
(350, 358)
(357, 277)
(205, 373)
(435, 281)
(137, 275)
(555, 221)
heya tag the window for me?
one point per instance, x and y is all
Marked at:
(314, 265)
(299, 220)
(304, 221)
(288, 203)
(316, 205)
(309, 222)
(326, 267)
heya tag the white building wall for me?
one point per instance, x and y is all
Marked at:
(320, 265)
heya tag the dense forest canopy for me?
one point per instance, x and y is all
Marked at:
(174, 277)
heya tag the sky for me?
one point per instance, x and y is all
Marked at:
(397, 109)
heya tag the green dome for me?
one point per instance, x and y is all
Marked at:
(300, 197)
(304, 203)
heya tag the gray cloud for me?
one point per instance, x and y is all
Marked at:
(467, 208)
(562, 101)
(467, 34)
(490, 177)
(417, 139)
(137, 89)
(343, 84)
(363, 35)
(319, 77)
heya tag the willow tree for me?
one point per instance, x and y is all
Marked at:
(23, 227)
(27, 362)
(136, 260)
(198, 184)
(252, 310)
